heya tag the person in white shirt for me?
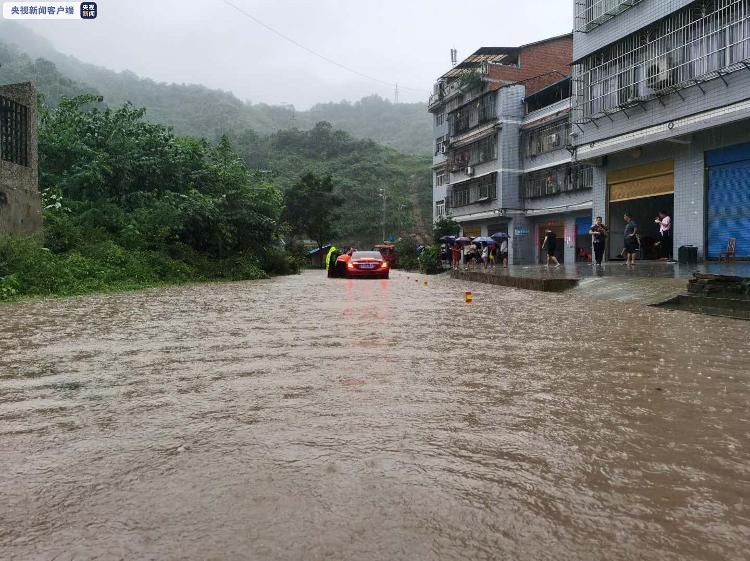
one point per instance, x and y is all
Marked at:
(665, 235)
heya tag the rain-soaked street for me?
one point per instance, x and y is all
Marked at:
(301, 418)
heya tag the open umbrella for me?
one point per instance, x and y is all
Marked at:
(499, 235)
(483, 239)
(463, 239)
(448, 239)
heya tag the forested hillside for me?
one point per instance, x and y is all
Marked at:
(199, 111)
(361, 169)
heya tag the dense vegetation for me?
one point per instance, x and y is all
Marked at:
(199, 111)
(362, 171)
(129, 204)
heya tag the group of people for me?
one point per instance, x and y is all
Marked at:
(483, 255)
(631, 238)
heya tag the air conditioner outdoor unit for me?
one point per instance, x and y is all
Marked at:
(660, 74)
(469, 171)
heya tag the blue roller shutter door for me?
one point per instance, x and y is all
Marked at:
(728, 200)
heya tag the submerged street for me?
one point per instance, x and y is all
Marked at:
(305, 418)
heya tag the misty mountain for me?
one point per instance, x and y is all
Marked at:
(200, 111)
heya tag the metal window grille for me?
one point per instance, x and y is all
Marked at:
(14, 135)
(590, 14)
(557, 180)
(479, 190)
(473, 154)
(473, 114)
(701, 42)
(545, 139)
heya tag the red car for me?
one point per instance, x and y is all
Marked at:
(367, 265)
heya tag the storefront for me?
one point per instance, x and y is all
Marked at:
(728, 201)
(558, 228)
(642, 191)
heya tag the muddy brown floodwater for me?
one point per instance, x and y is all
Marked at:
(301, 418)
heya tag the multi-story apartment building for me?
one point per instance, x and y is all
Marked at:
(479, 109)
(20, 208)
(661, 110)
(555, 192)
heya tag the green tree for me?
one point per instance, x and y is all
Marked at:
(311, 208)
(444, 226)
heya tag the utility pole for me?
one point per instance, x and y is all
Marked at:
(382, 194)
(395, 97)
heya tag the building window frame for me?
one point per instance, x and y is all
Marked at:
(693, 45)
(14, 132)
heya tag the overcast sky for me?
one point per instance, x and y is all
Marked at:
(208, 42)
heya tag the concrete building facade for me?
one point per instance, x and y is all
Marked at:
(20, 207)
(502, 160)
(661, 108)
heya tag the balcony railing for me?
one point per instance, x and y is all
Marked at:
(480, 190)
(473, 114)
(562, 179)
(590, 14)
(473, 154)
(691, 46)
(545, 139)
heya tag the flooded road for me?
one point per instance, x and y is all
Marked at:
(301, 418)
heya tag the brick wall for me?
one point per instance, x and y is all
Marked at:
(535, 60)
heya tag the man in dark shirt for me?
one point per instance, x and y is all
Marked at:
(550, 242)
(599, 237)
(631, 239)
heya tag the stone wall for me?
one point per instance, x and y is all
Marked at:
(20, 205)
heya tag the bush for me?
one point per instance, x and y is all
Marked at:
(429, 260)
(406, 249)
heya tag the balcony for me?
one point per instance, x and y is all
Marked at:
(553, 181)
(590, 14)
(480, 190)
(687, 48)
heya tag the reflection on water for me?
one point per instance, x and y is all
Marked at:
(306, 418)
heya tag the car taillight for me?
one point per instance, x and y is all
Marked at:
(384, 265)
(350, 265)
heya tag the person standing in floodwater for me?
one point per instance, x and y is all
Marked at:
(630, 239)
(456, 255)
(599, 237)
(550, 242)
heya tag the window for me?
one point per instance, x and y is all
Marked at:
(476, 153)
(479, 190)
(14, 137)
(441, 144)
(439, 179)
(439, 119)
(477, 112)
(542, 140)
(691, 45)
(552, 181)
(439, 208)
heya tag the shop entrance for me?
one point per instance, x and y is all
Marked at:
(559, 229)
(642, 191)
(583, 239)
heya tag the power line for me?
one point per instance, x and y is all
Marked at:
(311, 51)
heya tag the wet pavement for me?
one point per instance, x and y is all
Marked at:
(305, 418)
(642, 269)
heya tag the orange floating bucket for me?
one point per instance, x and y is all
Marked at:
(468, 297)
